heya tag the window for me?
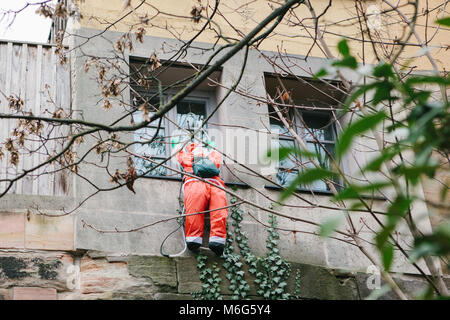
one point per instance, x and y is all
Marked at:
(157, 149)
(311, 119)
(287, 168)
(187, 114)
(316, 129)
(191, 114)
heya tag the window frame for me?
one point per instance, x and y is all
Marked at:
(302, 132)
(171, 117)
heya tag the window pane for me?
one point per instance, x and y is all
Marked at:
(320, 125)
(190, 114)
(290, 161)
(285, 177)
(155, 148)
(324, 162)
(276, 125)
(142, 166)
(322, 156)
(151, 107)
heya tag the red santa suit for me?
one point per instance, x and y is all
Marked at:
(198, 195)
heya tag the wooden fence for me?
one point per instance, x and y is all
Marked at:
(32, 73)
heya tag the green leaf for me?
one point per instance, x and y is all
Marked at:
(437, 243)
(423, 248)
(387, 255)
(382, 236)
(343, 48)
(444, 21)
(395, 212)
(357, 128)
(284, 152)
(355, 95)
(400, 206)
(305, 177)
(443, 193)
(321, 73)
(383, 92)
(347, 62)
(427, 79)
(386, 154)
(413, 173)
(355, 191)
(383, 70)
(329, 226)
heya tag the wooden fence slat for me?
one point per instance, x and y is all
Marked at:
(63, 100)
(23, 96)
(36, 111)
(29, 103)
(15, 91)
(7, 92)
(3, 109)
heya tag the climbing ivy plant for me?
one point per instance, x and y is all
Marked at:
(271, 272)
(274, 270)
(233, 264)
(210, 279)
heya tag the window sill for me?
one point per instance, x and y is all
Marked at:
(302, 190)
(323, 192)
(228, 184)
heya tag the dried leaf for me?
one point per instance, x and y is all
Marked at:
(14, 158)
(153, 62)
(140, 35)
(116, 177)
(286, 96)
(196, 13)
(130, 177)
(107, 105)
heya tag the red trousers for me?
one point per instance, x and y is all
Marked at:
(197, 196)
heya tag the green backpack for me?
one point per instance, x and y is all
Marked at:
(204, 167)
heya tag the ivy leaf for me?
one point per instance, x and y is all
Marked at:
(357, 128)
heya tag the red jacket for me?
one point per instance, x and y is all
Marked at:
(186, 156)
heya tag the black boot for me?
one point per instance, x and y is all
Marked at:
(193, 246)
(217, 248)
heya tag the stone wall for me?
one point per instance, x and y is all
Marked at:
(91, 275)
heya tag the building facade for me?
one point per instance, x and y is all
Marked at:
(62, 238)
